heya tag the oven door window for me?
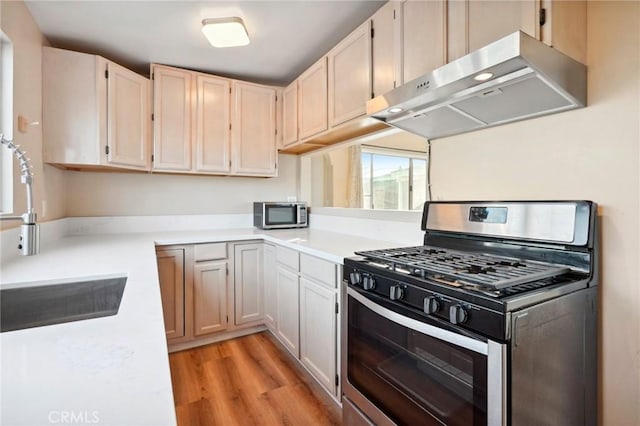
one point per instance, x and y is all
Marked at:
(281, 215)
(413, 378)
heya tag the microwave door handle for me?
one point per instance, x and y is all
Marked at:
(298, 210)
(430, 330)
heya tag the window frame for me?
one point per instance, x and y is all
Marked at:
(392, 152)
(6, 122)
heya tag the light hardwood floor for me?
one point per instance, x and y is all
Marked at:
(250, 380)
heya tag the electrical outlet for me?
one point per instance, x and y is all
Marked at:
(291, 198)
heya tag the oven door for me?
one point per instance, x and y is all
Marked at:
(398, 370)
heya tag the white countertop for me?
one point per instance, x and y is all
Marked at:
(114, 370)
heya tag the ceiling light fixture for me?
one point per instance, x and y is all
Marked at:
(225, 32)
(395, 109)
(483, 76)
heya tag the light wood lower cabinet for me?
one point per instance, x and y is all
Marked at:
(210, 289)
(209, 297)
(270, 287)
(171, 274)
(306, 307)
(249, 283)
(318, 331)
(287, 327)
(254, 284)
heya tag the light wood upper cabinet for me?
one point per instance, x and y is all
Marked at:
(476, 23)
(212, 148)
(171, 275)
(193, 131)
(312, 93)
(349, 72)
(386, 48)
(209, 297)
(95, 112)
(172, 119)
(253, 134)
(249, 283)
(290, 114)
(424, 37)
(128, 117)
(566, 27)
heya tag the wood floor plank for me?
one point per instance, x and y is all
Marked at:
(250, 380)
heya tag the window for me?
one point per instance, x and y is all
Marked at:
(393, 179)
(6, 123)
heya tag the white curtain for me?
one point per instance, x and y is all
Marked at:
(354, 177)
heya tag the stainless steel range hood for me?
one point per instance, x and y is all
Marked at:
(528, 79)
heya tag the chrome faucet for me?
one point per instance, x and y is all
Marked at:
(29, 243)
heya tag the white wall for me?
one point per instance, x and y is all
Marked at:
(19, 26)
(118, 194)
(592, 153)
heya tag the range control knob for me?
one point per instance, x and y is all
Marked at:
(432, 304)
(458, 314)
(355, 278)
(368, 283)
(396, 292)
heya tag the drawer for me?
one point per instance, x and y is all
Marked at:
(288, 257)
(318, 269)
(210, 251)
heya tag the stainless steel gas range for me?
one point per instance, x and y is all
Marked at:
(491, 322)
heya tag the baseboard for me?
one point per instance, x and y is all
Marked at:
(176, 347)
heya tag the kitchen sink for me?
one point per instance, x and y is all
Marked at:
(53, 302)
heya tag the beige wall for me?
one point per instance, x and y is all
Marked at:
(592, 153)
(116, 194)
(19, 26)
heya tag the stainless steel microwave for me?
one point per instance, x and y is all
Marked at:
(275, 215)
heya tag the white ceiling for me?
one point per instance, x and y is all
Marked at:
(286, 36)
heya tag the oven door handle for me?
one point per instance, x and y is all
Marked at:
(435, 332)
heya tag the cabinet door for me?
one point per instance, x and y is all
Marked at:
(249, 283)
(350, 76)
(489, 21)
(171, 274)
(288, 321)
(290, 114)
(172, 119)
(128, 117)
(253, 136)
(386, 48)
(313, 96)
(270, 286)
(476, 23)
(72, 104)
(566, 27)
(209, 297)
(318, 332)
(212, 124)
(424, 37)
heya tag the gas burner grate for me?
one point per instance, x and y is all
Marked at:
(461, 268)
